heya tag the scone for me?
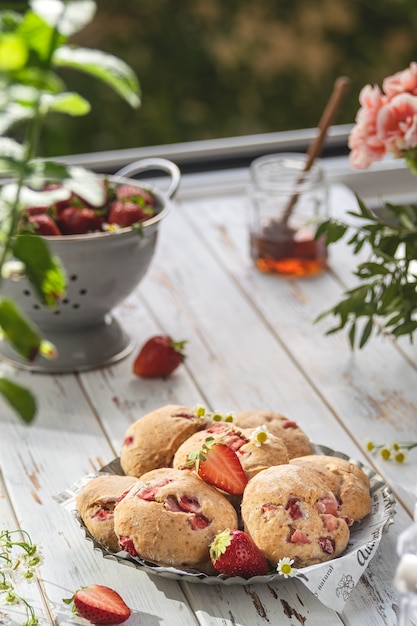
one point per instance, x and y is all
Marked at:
(96, 502)
(170, 517)
(288, 512)
(347, 481)
(152, 440)
(295, 439)
(254, 457)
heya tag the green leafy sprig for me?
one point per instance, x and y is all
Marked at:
(34, 46)
(385, 300)
(19, 558)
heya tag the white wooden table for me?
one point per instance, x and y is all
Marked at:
(252, 344)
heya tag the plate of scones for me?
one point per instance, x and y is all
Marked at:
(227, 499)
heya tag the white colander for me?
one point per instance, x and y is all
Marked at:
(102, 269)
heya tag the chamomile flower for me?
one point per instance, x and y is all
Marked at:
(19, 557)
(385, 453)
(111, 228)
(370, 445)
(260, 435)
(285, 567)
(397, 451)
(200, 410)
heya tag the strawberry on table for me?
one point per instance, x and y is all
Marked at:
(234, 553)
(219, 465)
(99, 605)
(159, 357)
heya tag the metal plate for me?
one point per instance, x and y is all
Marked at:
(379, 491)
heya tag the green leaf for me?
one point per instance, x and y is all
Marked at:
(11, 148)
(42, 269)
(70, 103)
(13, 52)
(39, 35)
(364, 211)
(18, 331)
(405, 329)
(106, 67)
(335, 231)
(67, 17)
(366, 332)
(352, 335)
(19, 398)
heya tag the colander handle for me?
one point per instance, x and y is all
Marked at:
(155, 164)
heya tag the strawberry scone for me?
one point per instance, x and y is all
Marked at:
(96, 502)
(253, 455)
(152, 440)
(289, 512)
(296, 440)
(170, 517)
(345, 479)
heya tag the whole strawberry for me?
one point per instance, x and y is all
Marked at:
(43, 224)
(99, 605)
(159, 357)
(234, 553)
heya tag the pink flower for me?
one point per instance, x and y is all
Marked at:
(404, 81)
(397, 124)
(386, 121)
(366, 147)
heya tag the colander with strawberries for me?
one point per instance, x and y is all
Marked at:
(105, 253)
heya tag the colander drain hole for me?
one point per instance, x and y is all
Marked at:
(66, 302)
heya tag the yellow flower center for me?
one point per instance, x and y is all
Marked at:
(262, 436)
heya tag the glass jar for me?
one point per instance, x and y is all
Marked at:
(287, 204)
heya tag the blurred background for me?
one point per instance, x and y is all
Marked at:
(214, 69)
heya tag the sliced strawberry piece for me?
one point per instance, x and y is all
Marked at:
(171, 504)
(297, 536)
(235, 440)
(127, 544)
(190, 503)
(219, 465)
(128, 441)
(330, 522)
(326, 545)
(100, 605)
(269, 510)
(149, 492)
(198, 522)
(234, 553)
(289, 424)
(294, 509)
(103, 514)
(328, 504)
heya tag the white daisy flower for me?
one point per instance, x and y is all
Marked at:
(285, 567)
(260, 435)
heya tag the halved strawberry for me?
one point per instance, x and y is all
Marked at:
(218, 465)
(234, 553)
(100, 605)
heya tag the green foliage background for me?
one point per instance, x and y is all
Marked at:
(215, 68)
